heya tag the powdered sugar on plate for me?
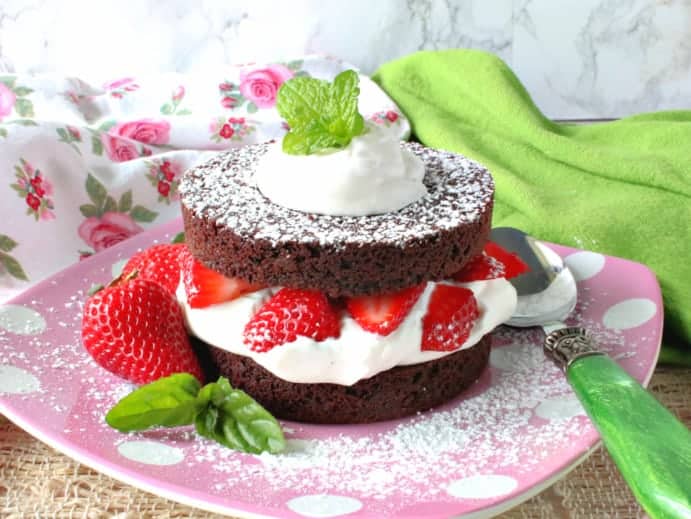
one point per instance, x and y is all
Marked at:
(516, 427)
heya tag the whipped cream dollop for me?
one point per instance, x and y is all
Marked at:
(372, 175)
(356, 354)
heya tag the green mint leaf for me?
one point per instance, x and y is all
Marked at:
(179, 238)
(345, 94)
(321, 115)
(167, 402)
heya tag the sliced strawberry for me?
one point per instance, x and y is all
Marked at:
(480, 268)
(494, 262)
(135, 329)
(289, 313)
(383, 313)
(451, 313)
(205, 287)
(513, 265)
(160, 263)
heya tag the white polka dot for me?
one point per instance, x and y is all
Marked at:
(559, 408)
(21, 320)
(14, 381)
(585, 264)
(150, 452)
(324, 505)
(117, 267)
(516, 357)
(629, 314)
(482, 486)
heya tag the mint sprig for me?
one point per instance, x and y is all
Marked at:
(218, 411)
(320, 114)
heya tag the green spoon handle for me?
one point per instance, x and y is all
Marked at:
(649, 445)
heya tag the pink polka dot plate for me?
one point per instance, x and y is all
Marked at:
(515, 432)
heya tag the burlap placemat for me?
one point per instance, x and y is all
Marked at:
(36, 481)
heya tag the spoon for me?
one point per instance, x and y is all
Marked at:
(651, 448)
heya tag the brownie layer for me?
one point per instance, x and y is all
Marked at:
(397, 392)
(233, 229)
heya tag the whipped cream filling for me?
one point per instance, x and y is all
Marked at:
(356, 354)
(372, 175)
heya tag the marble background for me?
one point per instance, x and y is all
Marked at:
(578, 58)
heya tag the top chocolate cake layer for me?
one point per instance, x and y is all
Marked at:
(234, 229)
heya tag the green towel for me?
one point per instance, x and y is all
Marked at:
(621, 188)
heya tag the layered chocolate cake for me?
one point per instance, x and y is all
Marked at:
(343, 285)
(231, 227)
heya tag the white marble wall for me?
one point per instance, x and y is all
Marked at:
(578, 58)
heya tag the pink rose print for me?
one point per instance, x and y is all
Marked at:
(232, 128)
(260, 86)
(33, 201)
(163, 188)
(7, 100)
(178, 93)
(386, 117)
(109, 220)
(172, 107)
(226, 131)
(119, 150)
(109, 229)
(165, 177)
(120, 87)
(35, 189)
(229, 102)
(392, 116)
(148, 131)
(70, 135)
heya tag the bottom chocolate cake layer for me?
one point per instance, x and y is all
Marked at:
(397, 392)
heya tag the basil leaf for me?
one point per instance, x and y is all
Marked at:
(255, 426)
(167, 402)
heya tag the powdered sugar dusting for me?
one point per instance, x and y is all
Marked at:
(509, 425)
(459, 191)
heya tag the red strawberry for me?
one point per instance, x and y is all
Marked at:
(494, 262)
(513, 265)
(289, 313)
(451, 313)
(160, 263)
(480, 268)
(383, 313)
(135, 329)
(206, 287)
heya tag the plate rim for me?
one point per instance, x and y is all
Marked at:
(162, 489)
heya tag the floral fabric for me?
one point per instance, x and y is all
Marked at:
(86, 166)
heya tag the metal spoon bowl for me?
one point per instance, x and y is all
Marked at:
(651, 447)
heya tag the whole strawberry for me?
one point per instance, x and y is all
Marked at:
(160, 263)
(135, 329)
(289, 313)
